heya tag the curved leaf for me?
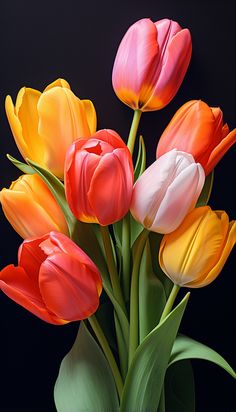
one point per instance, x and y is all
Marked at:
(141, 159)
(85, 382)
(145, 379)
(187, 348)
(21, 166)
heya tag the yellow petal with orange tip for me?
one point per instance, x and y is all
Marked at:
(31, 209)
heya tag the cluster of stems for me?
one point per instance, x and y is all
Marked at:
(124, 290)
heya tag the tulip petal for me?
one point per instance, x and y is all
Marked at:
(80, 167)
(181, 134)
(58, 242)
(180, 197)
(58, 83)
(111, 187)
(174, 66)
(90, 113)
(15, 283)
(24, 122)
(40, 221)
(219, 151)
(68, 287)
(61, 117)
(30, 257)
(135, 63)
(224, 254)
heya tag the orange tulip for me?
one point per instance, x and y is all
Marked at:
(151, 63)
(55, 280)
(30, 207)
(198, 129)
(99, 178)
(45, 124)
(195, 253)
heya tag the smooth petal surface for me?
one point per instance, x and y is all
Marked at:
(61, 121)
(67, 287)
(198, 129)
(99, 178)
(150, 64)
(174, 64)
(135, 62)
(194, 254)
(114, 172)
(30, 207)
(15, 283)
(166, 191)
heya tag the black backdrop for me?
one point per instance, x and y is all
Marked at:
(41, 41)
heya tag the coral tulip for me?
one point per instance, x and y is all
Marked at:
(99, 178)
(31, 208)
(167, 191)
(55, 280)
(195, 253)
(45, 124)
(198, 129)
(151, 63)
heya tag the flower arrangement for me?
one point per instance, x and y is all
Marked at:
(109, 242)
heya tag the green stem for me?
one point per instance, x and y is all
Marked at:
(112, 266)
(170, 302)
(108, 353)
(133, 130)
(134, 295)
(126, 256)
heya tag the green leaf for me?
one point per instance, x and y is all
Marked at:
(206, 191)
(58, 191)
(152, 298)
(85, 382)
(180, 388)
(141, 159)
(155, 241)
(22, 166)
(187, 348)
(145, 379)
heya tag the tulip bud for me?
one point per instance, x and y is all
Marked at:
(55, 280)
(195, 253)
(99, 178)
(167, 191)
(198, 129)
(30, 207)
(151, 63)
(45, 124)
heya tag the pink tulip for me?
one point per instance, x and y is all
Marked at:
(99, 178)
(167, 191)
(55, 279)
(151, 63)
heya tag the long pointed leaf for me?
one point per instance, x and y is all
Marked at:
(187, 348)
(145, 379)
(85, 381)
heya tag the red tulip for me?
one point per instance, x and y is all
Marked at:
(198, 129)
(99, 178)
(55, 279)
(151, 63)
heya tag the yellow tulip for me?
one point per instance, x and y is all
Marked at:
(45, 124)
(195, 253)
(31, 209)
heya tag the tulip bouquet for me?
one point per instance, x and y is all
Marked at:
(109, 242)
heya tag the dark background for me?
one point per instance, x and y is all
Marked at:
(41, 41)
